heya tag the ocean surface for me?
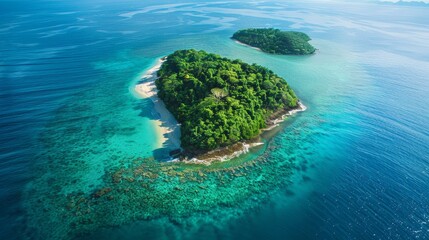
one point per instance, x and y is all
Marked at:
(355, 165)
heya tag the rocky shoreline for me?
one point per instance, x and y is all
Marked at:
(229, 152)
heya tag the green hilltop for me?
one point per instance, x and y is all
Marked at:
(220, 101)
(275, 41)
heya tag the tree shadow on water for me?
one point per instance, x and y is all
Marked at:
(147, 110)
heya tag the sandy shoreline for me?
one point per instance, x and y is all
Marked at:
(247, 45)
(167, 127)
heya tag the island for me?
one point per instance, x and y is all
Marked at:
(219, 102)
(275, 41)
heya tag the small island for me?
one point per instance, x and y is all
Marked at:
(218, 101)
(275, 41)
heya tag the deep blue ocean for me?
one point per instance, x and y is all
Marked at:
(355, 165)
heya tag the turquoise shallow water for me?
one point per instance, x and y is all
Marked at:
(76, 144)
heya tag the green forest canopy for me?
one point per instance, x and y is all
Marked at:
(219, 101)
(275, 41)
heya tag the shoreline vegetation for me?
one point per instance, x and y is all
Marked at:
(235, 150)
(275, 41)
(169, 130)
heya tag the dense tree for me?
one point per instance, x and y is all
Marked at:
(219, 101)
(275, 41)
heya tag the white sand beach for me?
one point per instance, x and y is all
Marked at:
(166, 126)
(247, 45)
